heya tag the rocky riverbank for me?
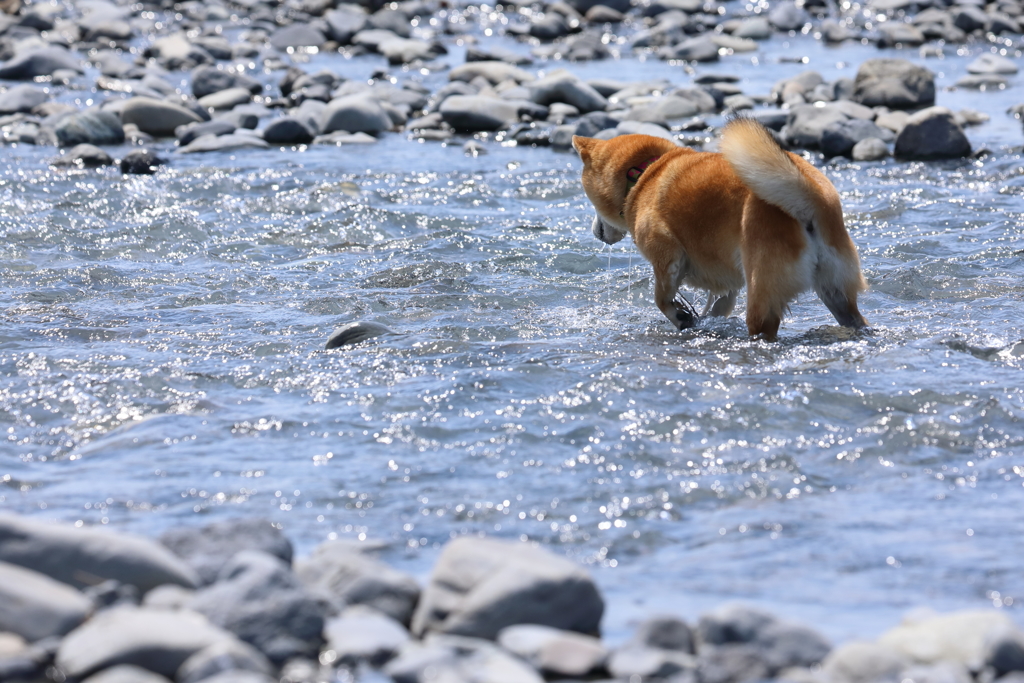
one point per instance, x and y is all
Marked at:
(227, 603)
(198, 77)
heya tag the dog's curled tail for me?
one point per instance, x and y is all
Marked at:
(768, 170)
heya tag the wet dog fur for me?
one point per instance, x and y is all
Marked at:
(753, 215)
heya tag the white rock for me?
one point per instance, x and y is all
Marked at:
(35, 606)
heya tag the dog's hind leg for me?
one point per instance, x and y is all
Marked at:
(724, 304)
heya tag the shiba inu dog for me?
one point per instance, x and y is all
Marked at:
(753, 214)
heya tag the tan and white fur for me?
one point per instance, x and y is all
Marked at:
(753, 215)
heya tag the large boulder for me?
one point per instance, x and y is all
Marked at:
(347, 576)
(35, 606)
(894, 83)
(81, 557)
(480, 585)
(258, 598)
(157, 117)
(41, 61)
(358, 113)
(92, 126)
(930, 134)
(839, 138)
(156, 640)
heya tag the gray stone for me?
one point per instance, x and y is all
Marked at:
(869, 149)
(93, 126)
(394, 20)
(342, 571)
(168, 596)
(480, 585)
(187, 134)
(839, 138)
(144, 162)
(807, 123)
(22, 98)
(786, 16)
(157, 117)
(226, 99)
(981, 81)
(472, 113)
(223, 143)
(362, 634)
(353, 333)
(80, 557)
(699, 49)
(448, 659)
(642, 128)
(562, 86)
(932, 133)
(473, 148)
(297, 35)
(603, 14)
(1004, 652)
(126, 673)
(894, 83)
(405, 50)
(549, 26)
(225, 655)
(552, 651)
(354, 113)
(964, 637)
(85, 156)
(341, 137)
(968, 18)
(43, 61)
(240, 117)
(665, 633)
(733, 624)
(259, 599)
(732, 663)
(941, 672)
(371, 38)
(862, 662)
(240, 676)
(894, 34)
(494, 72)
(785, 646)
(344, 22)
(155, 640)
(176, 52)
(288, 130)
(35, 606)
(207, 80)
(648, 662)
(754, 28)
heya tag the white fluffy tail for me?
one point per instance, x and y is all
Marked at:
(767, 169)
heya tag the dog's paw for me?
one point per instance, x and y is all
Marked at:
(686, 316)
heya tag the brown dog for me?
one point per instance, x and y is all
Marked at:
(754, 214)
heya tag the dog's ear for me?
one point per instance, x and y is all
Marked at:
(582, 146)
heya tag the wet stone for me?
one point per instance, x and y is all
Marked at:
(353, 333)
(34, 606)
(839, 138)
(362, 634)
(157, 117)
(187, 134)
(93, 126)
(992, 64)
(226, 655)
(894, 83)
(141, 162)
(354, 113)
(126, 673)
(930, 134)
(552, 651)
(288, 131)
(22, 98)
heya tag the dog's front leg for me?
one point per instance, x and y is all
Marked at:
(667, 278)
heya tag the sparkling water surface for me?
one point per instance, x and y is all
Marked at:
(162, 364)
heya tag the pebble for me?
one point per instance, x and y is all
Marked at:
(43, 61)
(562, 86)
(479, 586)
(34, 606)
(68, 554)
(156, 640)
(188, 133)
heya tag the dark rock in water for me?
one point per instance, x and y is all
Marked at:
(839, 137)
(532, 134)
(981, 81)
(42, 61)
(353, 333)
(93, 126)
(207, 80)
(591, 124)
(126, 673)
(894, 83)
(391, 20)
(364, 635)
(584, 6)
(562, 86)
(140, 162)
(807, 123)
(745, 639)
(297, 35)
(550, 26)
(157, 117)
(207, 549)
(932, 133)
(787, 16)
(158, 640)
(603, 14)
(356, 114)
(288, 131)
(870, 149)
(239, 118)
(472, 113)
(35, 606)
(732, 663)
(774, 119)
(187, 134)
(634, 662)
(967, 18)
(733, 624)
(226, 655)
(480, 585)
(79, 557)
(1005, 654)
(22, 98)
(259, 599)
(86, 156)
(477, 54)
(240, 676)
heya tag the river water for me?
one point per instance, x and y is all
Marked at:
(161, 364)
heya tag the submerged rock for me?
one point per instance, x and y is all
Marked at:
(353, 333)
(142, 162)
(84, 155)
(930, 134)
(92, 126)
(157, 117)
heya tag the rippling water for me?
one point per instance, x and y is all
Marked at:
(162, 364)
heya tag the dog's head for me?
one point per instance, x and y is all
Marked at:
(606, 180)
